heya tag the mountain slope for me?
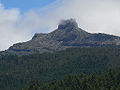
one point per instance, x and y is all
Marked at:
(102, 81)
(67, 35)
(16, 71)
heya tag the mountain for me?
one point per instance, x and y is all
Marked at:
(67, 35)
(18, 71)
(102, 81)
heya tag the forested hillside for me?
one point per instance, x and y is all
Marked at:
(103, 81)
(18, 71)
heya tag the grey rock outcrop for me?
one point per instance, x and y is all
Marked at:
(67, 35)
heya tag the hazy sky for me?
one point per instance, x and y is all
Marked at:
(20, 19)
(25, 5)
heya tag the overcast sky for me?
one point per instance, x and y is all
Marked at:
(18, 23)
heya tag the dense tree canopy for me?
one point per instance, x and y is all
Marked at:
(103, 81)
(17, 71)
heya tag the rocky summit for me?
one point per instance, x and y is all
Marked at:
(67, 35)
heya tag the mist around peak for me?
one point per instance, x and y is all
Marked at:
(67, 23)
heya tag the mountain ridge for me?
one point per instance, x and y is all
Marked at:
(67, 35)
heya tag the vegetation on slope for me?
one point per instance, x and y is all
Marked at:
(104, 81)
(17, 71)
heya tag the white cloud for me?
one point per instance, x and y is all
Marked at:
(11, 30)
(91, 15)
(8, 33)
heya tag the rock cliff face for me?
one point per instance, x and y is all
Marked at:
(67, 35)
